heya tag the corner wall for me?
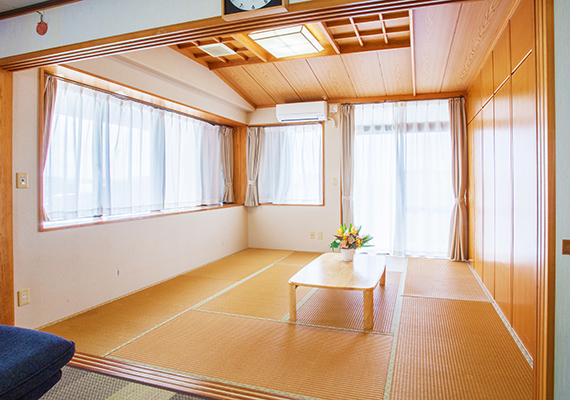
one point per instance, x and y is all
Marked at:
(70, 270)
(288, 227)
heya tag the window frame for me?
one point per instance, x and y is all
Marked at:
(90, 80)
(322, 123)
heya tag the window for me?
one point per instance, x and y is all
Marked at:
(291, 165)
(403, 192)
(106, 155)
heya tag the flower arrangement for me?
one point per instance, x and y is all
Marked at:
(349, 238)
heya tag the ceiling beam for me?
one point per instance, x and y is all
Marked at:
(413, 52)
(32, 8)
(256, 49)
(328, 36)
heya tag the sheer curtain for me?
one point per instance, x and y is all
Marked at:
(290, 170)
(402, 176)
(107, 155)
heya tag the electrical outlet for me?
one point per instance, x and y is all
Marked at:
(312, 235)
(335, 181)
(320, 236)
(23, 297)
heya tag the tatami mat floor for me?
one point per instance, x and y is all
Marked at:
(436, 334)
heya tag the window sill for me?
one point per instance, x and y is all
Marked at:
(76, 223)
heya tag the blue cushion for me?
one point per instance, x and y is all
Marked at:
(30, 362)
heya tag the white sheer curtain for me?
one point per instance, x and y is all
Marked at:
(290, 170)
(107, 155)
(402, 176)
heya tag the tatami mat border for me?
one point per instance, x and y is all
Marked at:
(394, 331)
(195, 306)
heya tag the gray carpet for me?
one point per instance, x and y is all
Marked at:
(79, 384)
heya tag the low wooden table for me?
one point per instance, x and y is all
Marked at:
(330, 272)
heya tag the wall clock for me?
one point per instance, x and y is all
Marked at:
(240, 9)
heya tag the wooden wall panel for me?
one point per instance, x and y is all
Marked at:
(525, 175)
(475, 199)
(6, 232)
(522, 32)
(488, 197)
(503, 200)
(474, 98)
(502, 59)
(240, 164)
(487, 87)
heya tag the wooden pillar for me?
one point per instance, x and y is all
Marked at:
(240, 164)
(6, 232)
(545, 103)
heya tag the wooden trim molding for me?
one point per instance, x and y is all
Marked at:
(34, 7)
(6, 232)
(544, 361)
(170, 380)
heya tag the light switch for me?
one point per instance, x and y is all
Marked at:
(22, 180)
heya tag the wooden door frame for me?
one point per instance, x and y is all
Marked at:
(6, 229)
(544, 27)
(546, 129)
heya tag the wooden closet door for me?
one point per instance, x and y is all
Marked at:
(525, 193)
(488, 197)
(475, 146)
(503, 200)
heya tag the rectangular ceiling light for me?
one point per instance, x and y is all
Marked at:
(217, 50)
(287, 42)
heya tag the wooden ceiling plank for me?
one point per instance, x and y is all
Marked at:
(433, 34)
(376, 46)
(327, 34)
(272, 81)
(356, 31)
(412, 53)
(477, 26)
(242, 82)
(302, 78)
(256, 49)
(365, 73)
(333, 76)
(397, 70)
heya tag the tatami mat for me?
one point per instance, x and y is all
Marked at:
(449, 349)
(264, 296)
(300, 258)
(344, 308)
(307, 361)
(442, 279)
(240, 265)
(102, 329)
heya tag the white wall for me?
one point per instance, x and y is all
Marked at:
(167, 73)
(562, 318)
(288, 227)
(73, 269)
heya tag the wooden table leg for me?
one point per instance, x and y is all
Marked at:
(383, 277)
(368, 310)
(292, 303)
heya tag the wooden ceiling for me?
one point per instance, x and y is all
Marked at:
(420, 52)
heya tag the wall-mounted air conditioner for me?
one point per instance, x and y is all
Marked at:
(302, 112)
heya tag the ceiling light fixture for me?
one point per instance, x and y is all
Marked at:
(217, 49)
(287, 42)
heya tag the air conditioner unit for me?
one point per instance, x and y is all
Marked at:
(302, 112)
